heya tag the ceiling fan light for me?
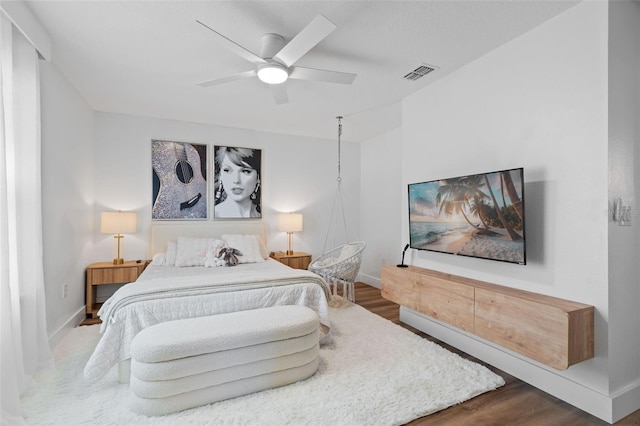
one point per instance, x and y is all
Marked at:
(273, 74)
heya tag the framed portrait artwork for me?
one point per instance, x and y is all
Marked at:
(179, 180)
(237, 183)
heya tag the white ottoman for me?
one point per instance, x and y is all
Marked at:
(186, 363)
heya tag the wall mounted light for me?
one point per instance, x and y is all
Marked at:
(290, 223)
(118, 223)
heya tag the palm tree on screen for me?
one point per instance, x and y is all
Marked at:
(512, 234)
(513, 194)
(455, 194)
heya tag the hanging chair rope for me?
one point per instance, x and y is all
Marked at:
(337, 209)
(340, 265)
(339, 147)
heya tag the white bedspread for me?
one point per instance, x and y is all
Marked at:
(167, 293)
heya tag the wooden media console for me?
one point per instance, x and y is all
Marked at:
(553, 331)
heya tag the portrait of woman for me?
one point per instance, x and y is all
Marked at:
(237, 183)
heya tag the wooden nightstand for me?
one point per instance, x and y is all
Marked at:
(108, 273)
(297, 260)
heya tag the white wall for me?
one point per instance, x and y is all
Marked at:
(99, 161)
(624, 181)
(540, 102)
(381, 200)
(298, 174)
(67, 196)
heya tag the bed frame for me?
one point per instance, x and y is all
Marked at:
(162, 232)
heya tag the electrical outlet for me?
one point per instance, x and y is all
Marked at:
(65, 290)
(625, 216)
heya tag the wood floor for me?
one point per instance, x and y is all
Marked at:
(515, 403)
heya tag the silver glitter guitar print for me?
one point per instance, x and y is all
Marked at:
(183, 189)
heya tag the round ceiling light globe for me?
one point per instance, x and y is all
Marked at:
(273, 74)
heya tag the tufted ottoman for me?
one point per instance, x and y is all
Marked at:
(186, 363)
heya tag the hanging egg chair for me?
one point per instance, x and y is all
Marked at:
(340, 265)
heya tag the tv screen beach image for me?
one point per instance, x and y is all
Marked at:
(477, 215)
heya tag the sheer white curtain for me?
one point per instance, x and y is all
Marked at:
(25, 346)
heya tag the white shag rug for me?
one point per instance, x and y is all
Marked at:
(374, 372)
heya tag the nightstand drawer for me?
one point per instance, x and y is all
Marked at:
(297, 260)
(113, 275)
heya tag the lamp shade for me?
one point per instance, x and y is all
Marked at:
(290, 222)
(118, 222)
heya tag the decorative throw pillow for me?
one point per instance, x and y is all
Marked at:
(158, 259)
(263, 248)
(251, 247)
(326, 262)
(170, 256)
(192, 251)
(212, 260)
(348, 251)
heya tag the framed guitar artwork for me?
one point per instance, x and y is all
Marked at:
(179, 180)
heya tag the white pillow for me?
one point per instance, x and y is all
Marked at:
(192, 251)
(251, 246)
(158, 259)
(170, 256)
(212, 260)
(326, 262)
(348, 251)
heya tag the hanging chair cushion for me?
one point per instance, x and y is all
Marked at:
(321, 263)
(348, 250)
(344, 267)
(339, 254)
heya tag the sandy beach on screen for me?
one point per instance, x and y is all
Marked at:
(471, 243)
(452, 242)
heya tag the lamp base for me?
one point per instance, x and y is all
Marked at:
(402, 266)
(118, 261)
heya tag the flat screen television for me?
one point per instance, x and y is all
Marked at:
(479, 215)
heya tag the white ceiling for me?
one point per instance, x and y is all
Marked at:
(146, 57)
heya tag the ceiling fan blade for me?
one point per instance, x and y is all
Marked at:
(313, 74)
(239, 76)
(235, 47)
(279, 93)
(306, 39)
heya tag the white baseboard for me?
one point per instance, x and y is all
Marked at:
(626, 401)
(369, 280)
(605, 407)
(72, 322)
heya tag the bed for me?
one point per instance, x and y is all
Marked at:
(166, 293)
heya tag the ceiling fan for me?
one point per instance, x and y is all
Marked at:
(275, 63)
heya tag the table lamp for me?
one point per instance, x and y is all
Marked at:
(290, 223)
(118, 223)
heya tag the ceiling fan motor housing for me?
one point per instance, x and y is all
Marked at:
(270, 44)
(273, 72)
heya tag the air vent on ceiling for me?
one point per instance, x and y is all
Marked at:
(419, 72)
